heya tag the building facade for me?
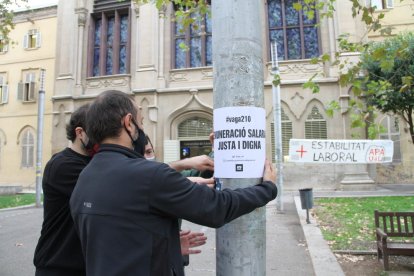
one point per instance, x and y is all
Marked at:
(31, 49)
(137, 49)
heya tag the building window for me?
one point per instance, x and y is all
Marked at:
(380, 4)
(4, 46)
(315, 125)
(27, 143)
(195, 127)
(4, 90)
(26, 90)
(193, 135)
(193, 45)
(296, 35)
(32, 39)
(391, 124)
(110, 43)
(287, 134)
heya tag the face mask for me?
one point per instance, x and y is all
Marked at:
(89, 147)
(139, 141)
(151, 158)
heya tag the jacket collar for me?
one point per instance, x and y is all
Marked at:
(121, 149)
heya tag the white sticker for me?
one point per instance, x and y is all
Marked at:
(239, 142)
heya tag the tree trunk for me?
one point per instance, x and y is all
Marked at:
(410, 122)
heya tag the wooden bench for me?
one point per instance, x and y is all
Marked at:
(394, 225)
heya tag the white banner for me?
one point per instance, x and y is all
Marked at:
(239, 142)
(341, 151)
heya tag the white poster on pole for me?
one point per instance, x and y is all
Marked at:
(341, 151)
(239, 142)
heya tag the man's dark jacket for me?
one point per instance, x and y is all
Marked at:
(125, 210)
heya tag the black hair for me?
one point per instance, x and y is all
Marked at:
(149, 141)
(78, 119)
(105, 115)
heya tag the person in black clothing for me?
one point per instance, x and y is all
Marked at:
(126, 209)
(58, 251)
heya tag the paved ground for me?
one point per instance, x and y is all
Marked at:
(286, 250)
(293, 246)
(19, 232)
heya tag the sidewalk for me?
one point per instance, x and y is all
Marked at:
(286, 249)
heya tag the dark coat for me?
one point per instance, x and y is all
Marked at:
(125, 209)
(58, 251)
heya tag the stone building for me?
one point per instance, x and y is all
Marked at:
(32, 48)
(137, 49)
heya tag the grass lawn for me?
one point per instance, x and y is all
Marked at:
(348, 223)
(8, 201)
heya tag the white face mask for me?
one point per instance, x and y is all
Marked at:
(151, 158)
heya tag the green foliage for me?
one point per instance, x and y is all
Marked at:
(324, 8)
(332, 107)
(348, 223)
(389, 83)
(186, 11)
(9, 201)
(276, 80)
(184, 47)
(310, 84)
(6, 18)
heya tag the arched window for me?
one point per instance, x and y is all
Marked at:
(193, 135)
(296, 34)
(195, 128)
(27, 144)
(392, 132)
(197, 38)
(315, 125)
(287, 134)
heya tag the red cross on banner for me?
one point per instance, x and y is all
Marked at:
(301, 151)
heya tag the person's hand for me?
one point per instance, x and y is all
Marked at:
(269, 173)
(190, 240)
(203, 181)
(201, 163)
(211, 138)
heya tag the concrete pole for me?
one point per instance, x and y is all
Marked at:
(238, 81)
(39, 147)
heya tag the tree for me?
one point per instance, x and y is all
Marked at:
(6, 17)
(389, 85)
